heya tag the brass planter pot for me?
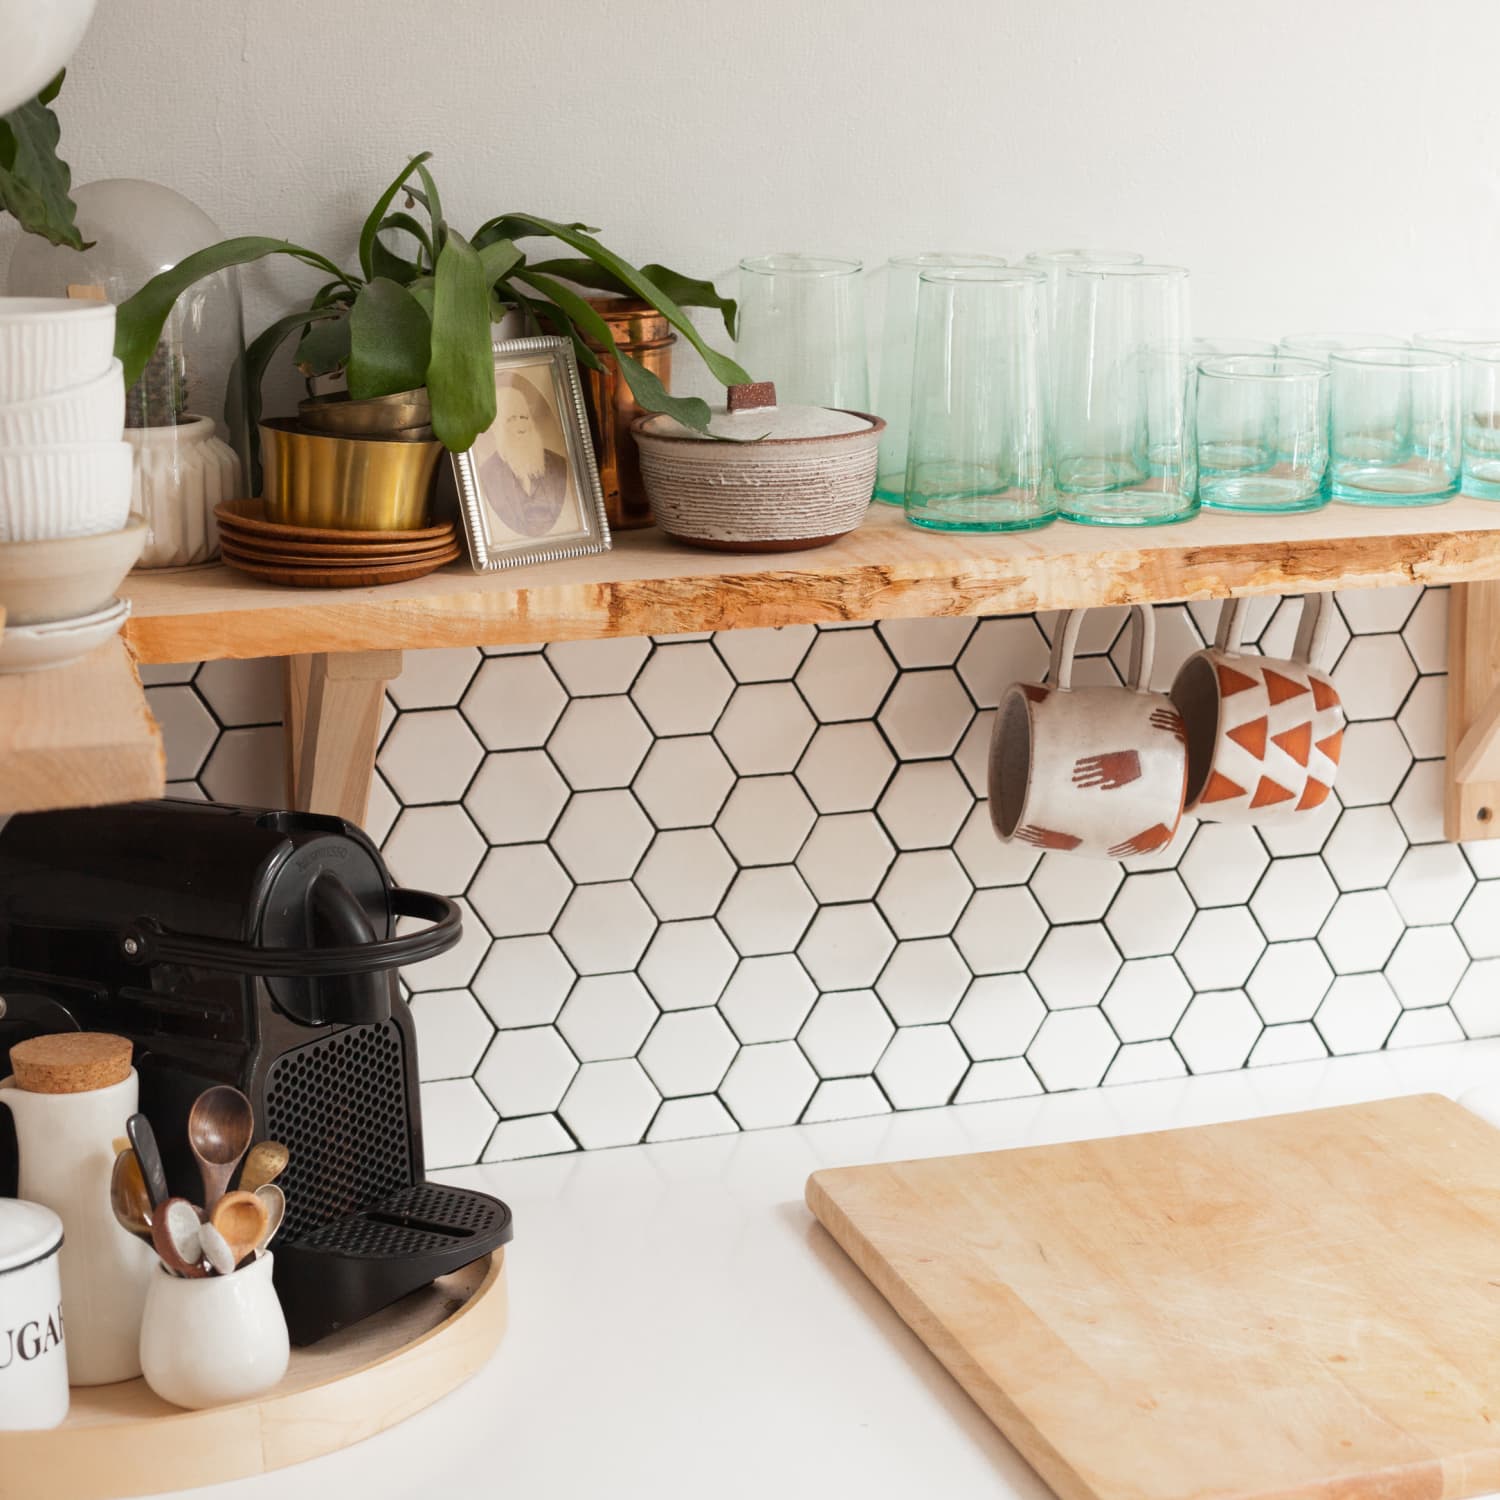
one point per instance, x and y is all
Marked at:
(407, 414)
(345, 483)
(643, 333)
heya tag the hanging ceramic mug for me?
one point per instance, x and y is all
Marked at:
(1089, 770)
(1264, 733)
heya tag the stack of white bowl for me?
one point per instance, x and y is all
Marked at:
(66, 536)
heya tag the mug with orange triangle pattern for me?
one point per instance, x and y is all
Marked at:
(1263, 733)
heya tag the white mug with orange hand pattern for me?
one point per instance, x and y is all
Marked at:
(1093, 770)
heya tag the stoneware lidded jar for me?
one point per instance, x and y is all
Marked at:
(764, 478)
(33, 1360)
(210, 1340)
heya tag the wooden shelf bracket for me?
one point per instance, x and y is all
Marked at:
(332, 702)
(1471, 802)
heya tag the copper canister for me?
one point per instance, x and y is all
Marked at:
(644, 334)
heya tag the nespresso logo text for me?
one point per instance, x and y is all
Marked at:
(31, 1340)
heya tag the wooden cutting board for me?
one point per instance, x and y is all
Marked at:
(1301, 1306)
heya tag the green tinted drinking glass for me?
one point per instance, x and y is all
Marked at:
(1121, 358)
(1481, 421)
(1396, 426)
(977, 453)
(802, 325)
(898, 343)
(1260, 423)
(1460, 341)
(1322, 346)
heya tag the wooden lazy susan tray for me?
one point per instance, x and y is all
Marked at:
(122, 1440)
(1305, 1307)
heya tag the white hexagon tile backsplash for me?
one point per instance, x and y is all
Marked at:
(719, 883)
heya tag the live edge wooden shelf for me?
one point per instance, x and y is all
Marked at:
(342, 645)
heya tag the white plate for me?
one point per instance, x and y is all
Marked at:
(25, 648)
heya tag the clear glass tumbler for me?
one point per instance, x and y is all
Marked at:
(898, 341)
(1261, 427)
(1460, 341)
(1481, 422)
(1395, 423)
(1320, 346)
(1120, 363)
(802, 324)
(1214, 348)
(977, 457)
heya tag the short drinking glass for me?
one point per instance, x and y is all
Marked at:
(1120, 362)
(977, 457)
(802, 325)
(1395, 426)
(897, 344)
(1261, 425)
(1481, 423)
(1321, 346)
(1460, 341)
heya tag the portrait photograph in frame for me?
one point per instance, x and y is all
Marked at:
(529, 487)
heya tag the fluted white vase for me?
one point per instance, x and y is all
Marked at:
(181, 473)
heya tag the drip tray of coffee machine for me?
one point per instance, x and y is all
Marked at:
(338, 1272)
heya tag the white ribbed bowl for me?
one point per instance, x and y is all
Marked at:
(89, 413)
(75, 490)
(51, 344)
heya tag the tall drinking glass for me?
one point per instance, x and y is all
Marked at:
(898, 342)
(1121, 358)
(1261, 427)
(1322, 346)
(977, 457)
(1395, 422)
(802, 324)
(1481, 422)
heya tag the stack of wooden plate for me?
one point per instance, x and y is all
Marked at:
(307, 557)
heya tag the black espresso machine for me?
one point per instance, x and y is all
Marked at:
(235, 945)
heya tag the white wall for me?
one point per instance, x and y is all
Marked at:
(1315, 162)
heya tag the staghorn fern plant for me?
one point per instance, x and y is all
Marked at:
(423, 317)
(34, 179)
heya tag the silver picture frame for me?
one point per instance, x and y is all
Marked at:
(492, 543)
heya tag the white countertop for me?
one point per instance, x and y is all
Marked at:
(681, 1327)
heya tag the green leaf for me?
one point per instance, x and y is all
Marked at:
(390, 341)
(407, 224)
(548, 315)
(53, 89)
(519, 226)
(684, 290)
(461, 374)
(139, 319)
(324, 348)
(724, 369)
(369, 234)
(34, 180)
(392, 267)
(434, 206)
(499, 258)
(649, 392)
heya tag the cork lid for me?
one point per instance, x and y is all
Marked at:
(70, 1062)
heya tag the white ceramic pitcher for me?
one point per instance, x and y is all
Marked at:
(67, 1154)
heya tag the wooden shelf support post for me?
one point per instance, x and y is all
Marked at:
(1471, 800)
(333, 702)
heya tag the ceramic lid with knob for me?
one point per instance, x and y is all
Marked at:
(28, 1233)
(752, 416)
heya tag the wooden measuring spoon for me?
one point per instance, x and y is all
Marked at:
(266, 1162)
(241, 1218)
(127, 1195)
(175, 1234)
(220, 1127)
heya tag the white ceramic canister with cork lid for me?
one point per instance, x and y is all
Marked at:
(33, 1358)
(70, 1097)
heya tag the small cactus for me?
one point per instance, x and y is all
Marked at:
(160, 397)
